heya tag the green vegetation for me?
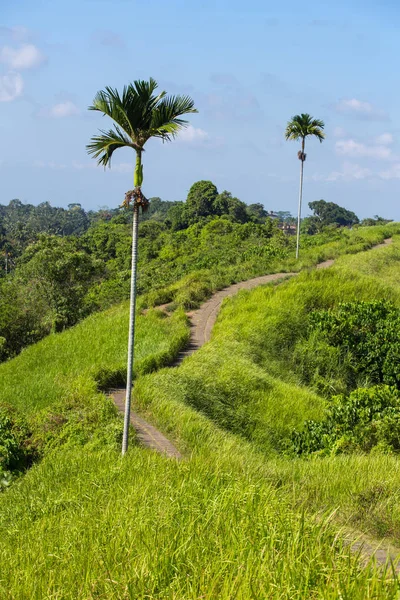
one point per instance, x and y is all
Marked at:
(53, 387)
(238, 516)
(328, 214)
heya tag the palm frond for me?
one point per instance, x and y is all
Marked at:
(103, 146)
(166, 121)
(302, 126)
(139, 113)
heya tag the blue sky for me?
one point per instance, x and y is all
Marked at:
(249, 66)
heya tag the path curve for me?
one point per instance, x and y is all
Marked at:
(202, 322)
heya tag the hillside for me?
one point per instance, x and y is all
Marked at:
(241, 515)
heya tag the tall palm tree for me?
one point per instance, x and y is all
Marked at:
(138, 114)
(298, 128)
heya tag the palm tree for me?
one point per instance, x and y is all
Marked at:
(138, 114)
(298, 128)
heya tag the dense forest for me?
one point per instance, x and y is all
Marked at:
(59, 265)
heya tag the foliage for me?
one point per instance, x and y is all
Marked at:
(15, 451)
(359, 340)
(328, 213)
(60, 399)
(302, 126)
(367, 419)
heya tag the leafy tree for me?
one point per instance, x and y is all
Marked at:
(139, 115)
(257, 212)
(329, 213)
(299, 128)
(226, 205)
(200, 200)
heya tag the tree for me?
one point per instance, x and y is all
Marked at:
(200, 200)
(329, 213)
(235, 209)
(299, 128)
(139, 114)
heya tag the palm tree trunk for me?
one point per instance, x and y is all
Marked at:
(131, 337)
(300, 200)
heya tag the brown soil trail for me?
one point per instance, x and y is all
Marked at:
(202, 322)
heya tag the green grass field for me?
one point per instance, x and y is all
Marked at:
(237, 517)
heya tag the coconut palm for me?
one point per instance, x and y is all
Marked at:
(139, 113)
(298, 128)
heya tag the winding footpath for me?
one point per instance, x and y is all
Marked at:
(202, 322)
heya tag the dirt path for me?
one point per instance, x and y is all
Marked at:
(202, 322)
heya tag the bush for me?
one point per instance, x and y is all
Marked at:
(356, 342)
(16, 453)
(367, 419)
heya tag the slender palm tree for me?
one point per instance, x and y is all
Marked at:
(298, 128)
(139, 114)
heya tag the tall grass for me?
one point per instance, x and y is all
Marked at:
(231, 520)
(93, 353)
(91, 525)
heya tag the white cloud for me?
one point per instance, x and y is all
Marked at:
(83, 166)
(122, 168)
(18, 34)
(11, 86)
(40, 164)
(385, 139)
(193, 135)
(360, 109)
(356, 149)
(64, 109)
(349, 172)
(339, 132)
(25, 57)
(392, 173)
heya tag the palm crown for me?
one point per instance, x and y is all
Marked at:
(302, 126)
(138, 114)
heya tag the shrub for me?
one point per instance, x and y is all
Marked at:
(369, 418)
(356, 342)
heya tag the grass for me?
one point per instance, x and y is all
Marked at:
(225, 261)
(247, 381)
(91, 525)
(92, 353)
(234, 519)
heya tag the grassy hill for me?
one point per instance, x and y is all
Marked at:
(239, 516)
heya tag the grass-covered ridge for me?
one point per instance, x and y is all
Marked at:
(247, 379)
(233, 519)
(51, 393)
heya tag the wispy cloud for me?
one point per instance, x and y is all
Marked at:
(385, 139)
(349, 172)
(64, 109)
(356, 149)
(361, 109)
(193, 135)
(83, 166)
(339, 132)
(234, 101)
(108, 38)
(392, 173)
(17, 34)
(26, 56)
(11, 86)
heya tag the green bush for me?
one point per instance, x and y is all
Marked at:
(354, 343)
(369, 418)
(16, 452)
